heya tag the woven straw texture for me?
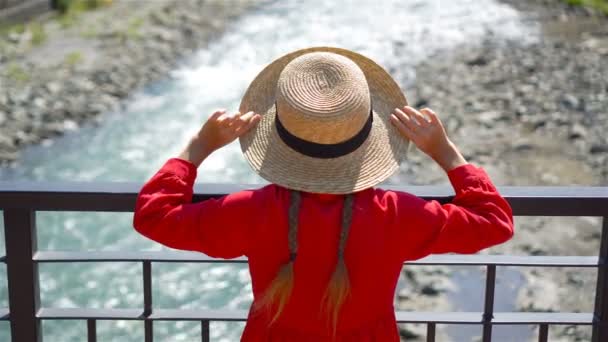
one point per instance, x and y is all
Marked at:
(318, 114)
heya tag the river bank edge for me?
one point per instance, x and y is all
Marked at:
(54, 86)
(530, 115)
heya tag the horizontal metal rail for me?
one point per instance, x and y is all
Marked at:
(120, 197)
(502, 318)
(20, 201)
(447, 259)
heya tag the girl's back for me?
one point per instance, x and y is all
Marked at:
(388, 228)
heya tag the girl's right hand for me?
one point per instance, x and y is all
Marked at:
(223, 128)
(426, 131)
(219, 130)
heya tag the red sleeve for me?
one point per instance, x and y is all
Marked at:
(164, 213)
(478, 217)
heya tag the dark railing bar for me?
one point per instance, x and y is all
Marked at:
(148, 331)
(205, 331)
(147, 285)
(22, 274)
(218, 189)
(229, 315)
(548, 201)
(449, 259)
(91, 330)
(488, 309)
(600, 331)
(543, 333)
(430, 332)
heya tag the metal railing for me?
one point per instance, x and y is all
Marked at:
(20, 201)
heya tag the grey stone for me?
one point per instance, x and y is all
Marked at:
(409, 332)
(54, 87)
(570, 101)
(577, 131)
(599, 148)
(430, 290)
(522, 145)
(489, 118)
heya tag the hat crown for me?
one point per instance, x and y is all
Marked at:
(323, 97)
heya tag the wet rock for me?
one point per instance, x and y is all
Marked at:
(70, 125)
(577, 131)
(54, 87)
(421, 103)
(533, 249)
(575, 279)
(522, 145)
(570, 101)
(411, 331)
(163, 34)
(8, 156)
(40, 102)
(489, 118)
(14, 37)
(430, 290)
(7, 143)
(3, 100)
(477, 61)
(599, 148)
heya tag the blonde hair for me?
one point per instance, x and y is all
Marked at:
(278, 292)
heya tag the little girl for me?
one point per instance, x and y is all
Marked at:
(325, 248)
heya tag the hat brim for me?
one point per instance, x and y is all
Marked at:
(373, 162)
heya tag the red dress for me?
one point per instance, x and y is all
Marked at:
(388, 228)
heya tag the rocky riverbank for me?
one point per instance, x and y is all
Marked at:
(530, 114)
(63, 74)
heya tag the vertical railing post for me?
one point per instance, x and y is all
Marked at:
(488, 310)
(600, 312)
(205, 333)
(91, 330)
(430, 332)
(147, 273)
(22, 273)
(543, 333)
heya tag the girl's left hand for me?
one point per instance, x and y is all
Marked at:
(425, 130)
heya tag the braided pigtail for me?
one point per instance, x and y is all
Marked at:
(277, 294)
(339, 286)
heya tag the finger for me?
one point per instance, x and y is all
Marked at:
(241, 121)
(226, 119)
(416, 115)
(405, 130)
(432, 116)
(217, 114)
(408, 111)
(247, 117)
(406, 119)
(250, 124)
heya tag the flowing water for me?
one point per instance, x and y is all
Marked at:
(131, 144)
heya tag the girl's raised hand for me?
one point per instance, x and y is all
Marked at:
(219, 130)
(223, 128)
(426, 131)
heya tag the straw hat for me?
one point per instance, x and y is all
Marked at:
(325, 124)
